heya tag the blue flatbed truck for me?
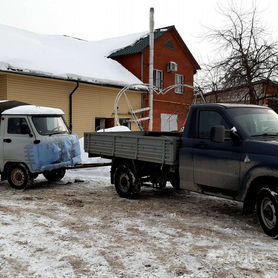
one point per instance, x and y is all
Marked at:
(225, 150)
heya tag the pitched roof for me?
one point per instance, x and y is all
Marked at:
(73, 59)
(143, 43)
(64, 57)
(139, 45)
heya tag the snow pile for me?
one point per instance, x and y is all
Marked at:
(119, 128)
(84, 155)
(65, 57)
(33, 110)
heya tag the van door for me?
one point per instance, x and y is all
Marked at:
(17, 136)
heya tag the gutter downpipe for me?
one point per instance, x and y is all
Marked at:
(70, 105)
(151, 42)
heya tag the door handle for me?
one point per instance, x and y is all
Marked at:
(7, 140)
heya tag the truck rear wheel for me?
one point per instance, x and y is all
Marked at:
(54, 175)
(125, 182)
(267, 211)
(17, 177)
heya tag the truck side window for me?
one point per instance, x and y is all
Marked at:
(208, 119)
(18, 126)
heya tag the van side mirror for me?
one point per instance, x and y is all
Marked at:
(217, 134)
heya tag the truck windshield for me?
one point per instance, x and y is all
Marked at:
(256, 121)
(48, 125)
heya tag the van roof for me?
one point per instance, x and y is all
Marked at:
(11, 107)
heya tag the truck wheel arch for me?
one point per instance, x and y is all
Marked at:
(252, 189)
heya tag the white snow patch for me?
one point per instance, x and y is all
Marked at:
(119, 128)
(33, 110)
(65, 57)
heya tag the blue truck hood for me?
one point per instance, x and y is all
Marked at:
(266, 145)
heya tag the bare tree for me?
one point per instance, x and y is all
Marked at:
(248, 55)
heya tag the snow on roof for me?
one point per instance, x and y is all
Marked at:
(65, 57)
(32, 110)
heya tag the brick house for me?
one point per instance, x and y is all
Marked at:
(266, 93)
(173, 64)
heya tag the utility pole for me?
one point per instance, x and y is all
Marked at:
(151, 62)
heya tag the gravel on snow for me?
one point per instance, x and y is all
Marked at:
(79, 227)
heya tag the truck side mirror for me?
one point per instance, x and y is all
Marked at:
(217, 134)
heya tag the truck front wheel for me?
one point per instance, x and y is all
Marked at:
(267, 211)
(125, 182)
(54, 175)
(17, 177)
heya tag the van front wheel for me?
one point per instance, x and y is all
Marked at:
(17, 177)
(54, 175)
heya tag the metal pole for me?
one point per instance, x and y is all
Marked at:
(151, 61)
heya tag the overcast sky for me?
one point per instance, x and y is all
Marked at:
(99, 19)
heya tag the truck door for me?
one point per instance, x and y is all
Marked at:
(16, 136)
(216, 165)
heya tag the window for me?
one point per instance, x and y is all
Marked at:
(208, 119)
(103, 123)
(18, 126)
(169, 122)
(256, 122)
(158, 79)
(170, 45)
(179, 81)
(48, 125)
(125, 122)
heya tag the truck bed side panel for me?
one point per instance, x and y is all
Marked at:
(131, 145)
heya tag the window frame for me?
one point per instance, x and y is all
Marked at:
(22, 118)
(155, 71)
(198, 123)
(179, 89)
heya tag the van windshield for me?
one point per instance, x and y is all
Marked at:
(256, 121)
(48, 125)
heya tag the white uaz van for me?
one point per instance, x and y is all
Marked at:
(34, 140)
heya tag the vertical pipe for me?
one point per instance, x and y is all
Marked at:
(70, 105)
(151, 62)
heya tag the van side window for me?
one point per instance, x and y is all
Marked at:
(208, 119)
(18, 126)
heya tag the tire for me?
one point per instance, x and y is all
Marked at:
(267, 211)
(18, 177)
(54, 175)
(125, 182)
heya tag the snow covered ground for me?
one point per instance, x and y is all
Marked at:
(79, 227)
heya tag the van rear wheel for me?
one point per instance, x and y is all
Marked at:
(17, 177)
(54, 175)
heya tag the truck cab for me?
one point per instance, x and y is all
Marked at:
(34, 140)
(226, 163)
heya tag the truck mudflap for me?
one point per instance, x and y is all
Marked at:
(59, 152)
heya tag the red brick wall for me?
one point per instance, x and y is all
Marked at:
(132, 63)
(170, 103)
